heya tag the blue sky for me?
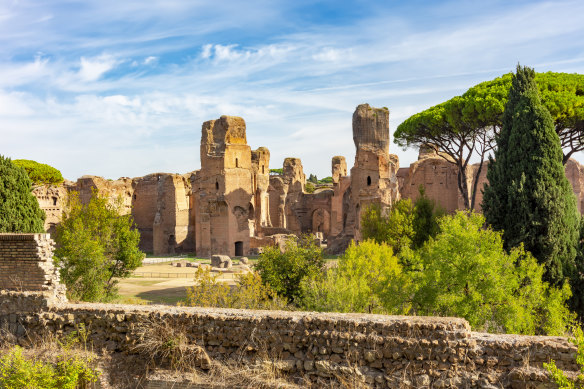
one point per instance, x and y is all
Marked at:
(121, 87)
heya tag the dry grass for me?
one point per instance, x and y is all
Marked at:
(172, 357)
(164, 352)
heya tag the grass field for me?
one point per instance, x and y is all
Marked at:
(162, 283)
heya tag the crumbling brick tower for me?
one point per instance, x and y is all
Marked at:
(224, 189)
(260, 160)
(373, 179)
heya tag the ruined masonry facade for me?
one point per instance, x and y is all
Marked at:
(387, 351)
(233, 206)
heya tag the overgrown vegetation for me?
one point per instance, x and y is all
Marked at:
(40, 173)
(248, 293)
(558, 376)
(368, 278)
(467, 273)
(406, 226)
(284, 271)
(463, 271)
(97, 245)
(52, 363)
(19, 209)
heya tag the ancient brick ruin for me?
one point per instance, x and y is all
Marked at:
(387, 351)
(233, 206)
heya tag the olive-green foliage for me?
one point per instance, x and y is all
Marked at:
(326, 180)
(309, 187)
(19, 209)
(528, 196)
(68, 371)
(396, 229)
(312, 178)
(558, 376)
(96, 246)
(368, 278)
(426, 215)
(406, 226)
(277, 171)
(40, 173)
(466, 125)
(467, 273)
(283, 271)
(248, 293)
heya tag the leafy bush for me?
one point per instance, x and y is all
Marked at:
(368, 279)
(277, 171)
(19, 209)
(312, 178)
(309, 187)
(326, 180)
(69, 371)
(249, 292)
(96, 246)
(284, 271)
(395, 229)
(426, 215)
(558, 376)
(467, 273)
(40, 173)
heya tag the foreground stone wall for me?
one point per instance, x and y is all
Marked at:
(389, 351)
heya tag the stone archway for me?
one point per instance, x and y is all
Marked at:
(321, 221)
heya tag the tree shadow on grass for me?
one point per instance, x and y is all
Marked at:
(168, 296)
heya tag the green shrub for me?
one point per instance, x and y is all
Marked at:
(558, 376)
(467, 273)
(68, 371)
(40, 173)
(96, 247)
(248, 293)
(426, 215)
(368, 279)
(277, 171)
(19, 209)
(284, 271)
(326, 180)
(396, 229)
(309, 187)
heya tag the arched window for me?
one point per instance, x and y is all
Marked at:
(368, 180)
(216, 185)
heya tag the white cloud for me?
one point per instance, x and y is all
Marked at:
(150, 59)
(91, 69)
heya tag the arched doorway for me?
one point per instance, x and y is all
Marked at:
(239, 249)
(321, 221)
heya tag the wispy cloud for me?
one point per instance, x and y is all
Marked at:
(118, 89)
(91, 69)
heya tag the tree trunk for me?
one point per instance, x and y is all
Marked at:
(462, 186)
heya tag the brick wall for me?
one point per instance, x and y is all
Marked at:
(26, 264)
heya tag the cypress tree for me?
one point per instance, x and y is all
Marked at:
(528, 196)
(19, 209)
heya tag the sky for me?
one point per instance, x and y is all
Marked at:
(120, 88)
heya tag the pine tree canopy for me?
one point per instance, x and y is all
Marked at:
(528, 196)
(465, 127)
(19, 209)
